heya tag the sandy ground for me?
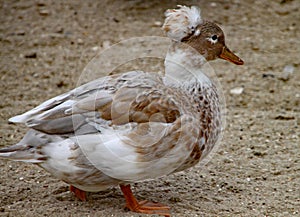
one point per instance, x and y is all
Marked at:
(45, 45)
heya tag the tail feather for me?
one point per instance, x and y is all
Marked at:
(47, 105)
(23, 153)
(27, 150)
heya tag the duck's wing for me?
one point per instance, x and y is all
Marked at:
(57, 115)
(153, 129)
(131, 126)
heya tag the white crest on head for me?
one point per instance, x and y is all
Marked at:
(182, 22)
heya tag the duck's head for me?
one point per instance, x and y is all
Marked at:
(186, 25)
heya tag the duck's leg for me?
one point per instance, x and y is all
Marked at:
(143, 206)
(80, 194)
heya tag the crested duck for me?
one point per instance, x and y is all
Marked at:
(134, 126)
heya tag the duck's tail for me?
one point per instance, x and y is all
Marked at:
(21, 153)
(27, 150)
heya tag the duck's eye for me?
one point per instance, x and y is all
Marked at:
(214, 37)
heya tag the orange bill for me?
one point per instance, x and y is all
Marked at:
(230, 56)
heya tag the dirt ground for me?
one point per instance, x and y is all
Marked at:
(45, 45)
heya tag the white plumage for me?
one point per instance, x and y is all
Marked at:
(133, 126)
(181, 22)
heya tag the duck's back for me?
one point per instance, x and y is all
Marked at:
(124, 124)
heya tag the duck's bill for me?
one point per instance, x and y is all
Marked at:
(230, 56)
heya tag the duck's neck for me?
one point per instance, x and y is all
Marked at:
(183, 66)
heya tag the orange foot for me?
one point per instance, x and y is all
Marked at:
(80, 194)
(143, 206)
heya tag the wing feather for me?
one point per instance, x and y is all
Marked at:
(126, 154)
(124, 124)
(133, 97)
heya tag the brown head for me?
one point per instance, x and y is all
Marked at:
(185, 25)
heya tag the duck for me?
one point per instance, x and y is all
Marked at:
(133, 126)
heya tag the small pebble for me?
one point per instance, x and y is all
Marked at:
(266, 75)
(286, 73)
(96, 48)
(213, 4)
(40, 4)
(116, 20)
(44, 12)
(59, 30)
(106, 44)
(282, 12)
(284, 117)
(288, 69)
(254, 47)
(31, 55)
(20, 32)
(237, 90)
(80, 41)
(226, 160)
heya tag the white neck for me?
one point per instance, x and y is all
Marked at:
(183, 65)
